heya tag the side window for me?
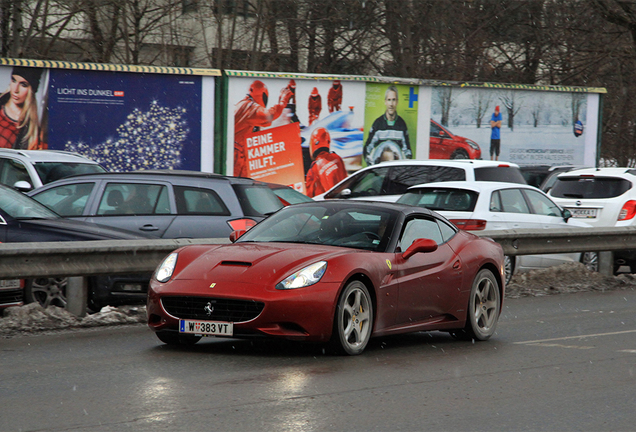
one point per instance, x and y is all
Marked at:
(512, 201)
(420, 228)
(434, 130)
(133, 199)
(447, 231)
(541, 204)
(495, 202)
(199, 201)
(369, 183)
(13, 171)
(66, 200)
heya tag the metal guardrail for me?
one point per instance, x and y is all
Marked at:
(90, 258)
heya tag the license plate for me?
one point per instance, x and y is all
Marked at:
(9, 284)
(212, 328)
(589, 213)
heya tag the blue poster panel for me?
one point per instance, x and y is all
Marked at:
(126, 121)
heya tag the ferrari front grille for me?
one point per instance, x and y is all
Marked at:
(213, 309)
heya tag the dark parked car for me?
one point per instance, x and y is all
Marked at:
(23, 219)
(166, 204)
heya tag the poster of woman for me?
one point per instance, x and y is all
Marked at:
(20, 116)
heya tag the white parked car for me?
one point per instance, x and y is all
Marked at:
(602, 197)
(387, 181)
(474, 206)
(26, 170)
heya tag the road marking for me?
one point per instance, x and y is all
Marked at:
(574, 337)
(628, 351)
(561, 346)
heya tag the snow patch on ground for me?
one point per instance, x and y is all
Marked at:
(33, 318)
(563, 279)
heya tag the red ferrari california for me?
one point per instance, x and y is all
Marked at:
(337, 272)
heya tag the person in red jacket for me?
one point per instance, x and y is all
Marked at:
(314, 106)
(251, 115)
(327, 168)
(334, 97)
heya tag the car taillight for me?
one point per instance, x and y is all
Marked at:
(628, 211)
(469, 224)
(241, 224)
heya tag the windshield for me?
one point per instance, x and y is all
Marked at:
(257, 200)
(51, 171)
(365, 228)
(19, 206)
(446, 199)
(589, 187)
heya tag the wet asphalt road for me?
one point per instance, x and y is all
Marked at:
(564, 363)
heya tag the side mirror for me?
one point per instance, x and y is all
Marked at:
(420, 245)
(235, 235)
(22, 186)
(566, 214)
(345, 193)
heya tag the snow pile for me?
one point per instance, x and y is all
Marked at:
(33, 318)
(565, 278)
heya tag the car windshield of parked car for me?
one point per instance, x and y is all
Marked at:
(355, 227)
(19, 206)
(257, 201)
(51, 171)
(589, 187)
(447, 199)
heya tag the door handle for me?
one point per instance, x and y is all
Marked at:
(149, 228)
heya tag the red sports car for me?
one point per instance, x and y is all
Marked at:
(332, 271)
(446, 145)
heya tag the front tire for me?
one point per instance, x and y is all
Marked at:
(353, 322)
(460, 154)
(483, 307)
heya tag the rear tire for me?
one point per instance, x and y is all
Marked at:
(484, 306)
(353, 322)
(590, 260)
(46, 291)
(509, 268)
(177, 339)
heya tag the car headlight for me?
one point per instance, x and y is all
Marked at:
(166, 268)
(473, 144)
(305, 277)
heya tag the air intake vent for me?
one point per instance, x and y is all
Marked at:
(236, 263)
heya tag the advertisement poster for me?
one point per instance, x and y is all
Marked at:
(24, 92)
(126, 121)
(390, 123)
(537, 127)
(288, 112)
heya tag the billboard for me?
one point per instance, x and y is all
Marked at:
(537, 127)
(124, 120)
(271, 122)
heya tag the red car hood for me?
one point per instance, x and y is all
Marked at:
(256, 263)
